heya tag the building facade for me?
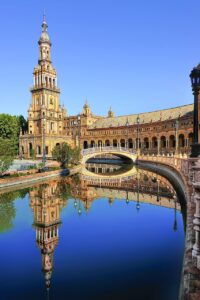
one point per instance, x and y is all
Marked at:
(168, 131)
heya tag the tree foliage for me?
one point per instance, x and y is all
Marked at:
(65, 154)
(7, 208)
(10, 128)
(7, 153)
(9, 138)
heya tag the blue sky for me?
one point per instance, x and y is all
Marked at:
(133, 55)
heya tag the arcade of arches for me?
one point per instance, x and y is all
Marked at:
(151, 145)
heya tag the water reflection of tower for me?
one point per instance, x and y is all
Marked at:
(46, 206)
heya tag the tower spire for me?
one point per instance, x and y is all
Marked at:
(44, 16)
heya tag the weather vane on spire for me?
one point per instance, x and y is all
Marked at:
(44, 16)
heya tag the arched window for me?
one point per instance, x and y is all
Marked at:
(122, 143)
(38, 149)
(130, 143)
(92, 144)
(107, 143)
(51, 101)
(181, 140)
(172, 141)
(154, 142)
(146, 143)
(163, 142)
(190, 138)
(114, 143)
(85, 144)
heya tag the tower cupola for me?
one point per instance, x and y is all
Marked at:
(110, 113)
(86, 109)
(44, 38)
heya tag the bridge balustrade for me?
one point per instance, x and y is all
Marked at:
(181, 164)
(107, 149)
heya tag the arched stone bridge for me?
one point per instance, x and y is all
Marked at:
(86, 154)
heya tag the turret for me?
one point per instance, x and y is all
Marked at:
(86, 109)
(110, 113)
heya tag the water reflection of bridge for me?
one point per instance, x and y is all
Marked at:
(117, 151)
(142, 186)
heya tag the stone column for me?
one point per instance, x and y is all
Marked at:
(196, 221)
(186, 142)
(167, 143)
(158, 145)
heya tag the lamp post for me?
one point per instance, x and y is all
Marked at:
(127, 199)
(79, 208)
(176, 132)
(175, 217)
(138, 144)
(44, 143)
(195, 81)
(78, 125)
(158, 190)
(127, 125)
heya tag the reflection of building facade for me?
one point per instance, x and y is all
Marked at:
(46, 206)
(160, 132)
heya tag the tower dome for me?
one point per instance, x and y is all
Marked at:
(44, 38)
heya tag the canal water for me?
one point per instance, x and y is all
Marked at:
(91, 237)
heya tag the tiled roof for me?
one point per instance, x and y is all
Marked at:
(148, 117)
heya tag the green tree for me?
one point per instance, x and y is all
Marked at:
(23, 124)
(7, 153)
(75, 155)
(62, 153)
(10, 128)
(65, 154)
(7, 208)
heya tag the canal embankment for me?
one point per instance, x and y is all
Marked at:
(36, 177)
(190, 283)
